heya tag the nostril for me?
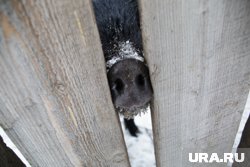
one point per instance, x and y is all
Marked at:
(140, 80)
(119, 85)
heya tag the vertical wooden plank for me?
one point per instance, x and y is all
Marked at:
(199, 57)
(54, 98)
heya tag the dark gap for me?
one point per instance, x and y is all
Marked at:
(242, 139)
(245, 138)
(126, 21)
(7, 156)
(244, 146)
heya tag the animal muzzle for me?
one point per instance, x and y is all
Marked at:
(130, 85)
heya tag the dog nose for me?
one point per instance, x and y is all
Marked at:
(130, 84)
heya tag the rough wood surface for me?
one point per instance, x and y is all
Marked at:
(55, 103)
(199, 58)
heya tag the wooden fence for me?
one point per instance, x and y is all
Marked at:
(54, 98)
(199, 57)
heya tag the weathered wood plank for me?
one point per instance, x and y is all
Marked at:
(199, 57)
(54, 98)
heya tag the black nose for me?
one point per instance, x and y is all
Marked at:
(130, 84)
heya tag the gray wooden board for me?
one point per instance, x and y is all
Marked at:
(54, 98)
(199, 57)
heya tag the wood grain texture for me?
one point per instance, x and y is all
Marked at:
(199, 57)
(54, 98)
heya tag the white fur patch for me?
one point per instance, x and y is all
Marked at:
(131, 113)
(126, 51)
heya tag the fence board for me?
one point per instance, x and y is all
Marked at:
(54, 98)
(198, 54)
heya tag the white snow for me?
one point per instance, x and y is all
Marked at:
(126, 51)
(243, 121)
(11, 145)
(141, 148)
